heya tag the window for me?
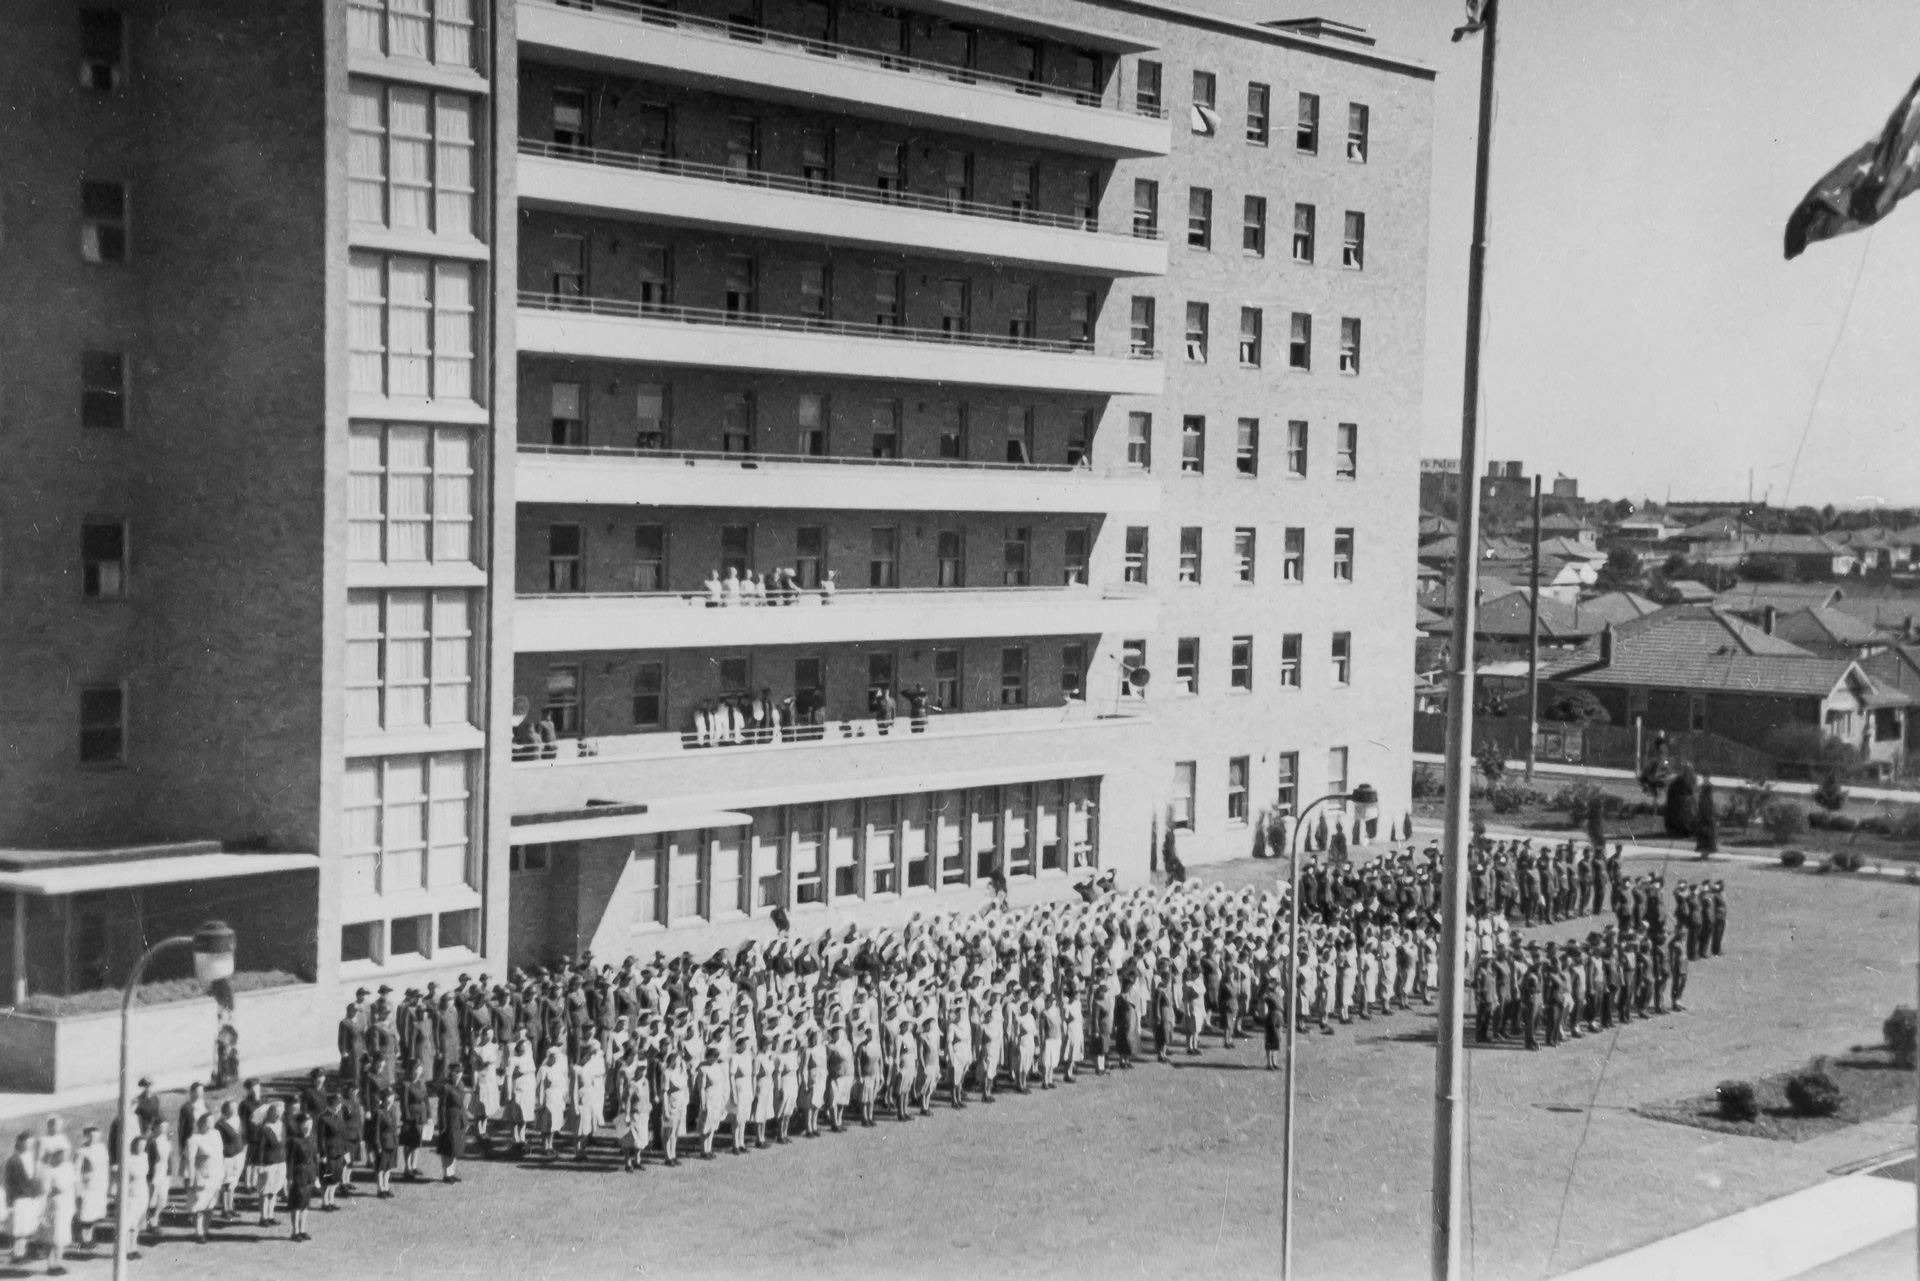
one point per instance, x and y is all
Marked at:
(1199, 218)
(1237, 789)
(103, 558)
(1190, 554)
(410, 937)
(883, 568)
(1140, 440)
(569, 420)
(1146, 90)
(1146, 208)
(562, 702)
(103, 724)
(816, 158)
(1136, 554)
(1353, 241)
(1290, 660)
(886, 299)
(806, 832)
(1197, 333)
(653, 276)
(1013, 676)
(1306, 130)
(947, 682)
(1342, 654)
(1253, 227)
(956, 307)
(1356, 133)
(883, 845)
(431, 30)
(686, 881)
(1246, 447)
(883, 429)
(1133, 658)
(103, 390)
(810, 681)
(567, 265)
(103, 221)
(1080, 305)
(816, 292)
(410, 327)
(743, 144)
(1186, 665)
(1241, 666)
(570, 120)
(1019, 303)
(1250, 324)
(103, 49)
(1193, 445)
(736, 549)
(649, 695)
(1023, 192)
(1300, 344)
(1343, 554)
(959, 178)
(1293, 555)
(1073, 671)
(811, 416)
(1140, 327)
(1349, 345)
(952, 429)
(1077, 557)
(409, 493)
(529, 858)
(950, 558)
(1180, 808)
(1303, 233)
(1086, 199)
(1017, 557)
(653, 125)
(736, 676)
(1336, 771)
(737, 422)
(458, 931)
(890, 170)
(1080, 425)
(1346, 451)
(809, 555)
(1296, 448)
(653, 418)
(1203, 89)
(410, 156)
(565, 564)
(1287, 794)
(408, 822)
(649, 558)
(409, 659)
(1243, 555)
(742, 285)
(879, 674)
(1206, 120)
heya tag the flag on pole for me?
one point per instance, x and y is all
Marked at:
(1476, 19)
(1863, 188)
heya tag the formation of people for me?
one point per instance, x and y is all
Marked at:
(780, 586)
(801, 717)
(799, 1037)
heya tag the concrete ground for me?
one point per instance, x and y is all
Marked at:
(1174, 1171)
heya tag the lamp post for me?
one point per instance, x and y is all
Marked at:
(1369, 802)
(212, 946)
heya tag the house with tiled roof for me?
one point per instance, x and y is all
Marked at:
(1615, 608)
(1810, 555)
(1876, 548)
(1898, 666)
(1571, 528)
(1694, 668)
(1690, 592)
(1751, 601)
(1820, 629)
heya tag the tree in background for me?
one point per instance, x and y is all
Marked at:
(1621, 573)
(1680, 812)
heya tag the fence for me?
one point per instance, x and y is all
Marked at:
(1603, 746)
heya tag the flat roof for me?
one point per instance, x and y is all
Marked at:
(1011, 19)
(1342, 52)
(638, 821)
(165, 869)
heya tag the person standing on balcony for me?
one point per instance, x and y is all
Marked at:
(880, 702)
(730, 589)
(919, 703)
(716, 591)
(829, 586)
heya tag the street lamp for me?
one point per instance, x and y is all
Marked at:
(212, 946)
(1368, 802)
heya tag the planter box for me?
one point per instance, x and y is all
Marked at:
(41, 1054)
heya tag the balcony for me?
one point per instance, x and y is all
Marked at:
(852, 758)
(718, 198)
(766, 65)
(704, 337)
(581, 622)
(626, 477)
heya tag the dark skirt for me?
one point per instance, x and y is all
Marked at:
(383, 1159)
(1123, 1034)
(451, 1142)
(1273, 1034)
(299, 1187)
(409, 1134)
(334, 1170)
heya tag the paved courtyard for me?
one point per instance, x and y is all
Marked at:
(1174, 1171)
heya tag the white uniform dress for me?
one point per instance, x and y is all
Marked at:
(204, 1163)
(486, 1078)
(93, 1182)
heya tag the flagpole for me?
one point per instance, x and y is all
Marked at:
(1449, 1104)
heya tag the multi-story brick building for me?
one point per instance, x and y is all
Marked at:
(397, 390)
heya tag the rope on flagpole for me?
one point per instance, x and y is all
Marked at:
(1806, 429)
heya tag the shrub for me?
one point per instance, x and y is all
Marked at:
(1899, 1031)
(1849, 861)
(1842, 823)
(1581, 798)
(1681, 810)
(1812, 1092)
(1492, 761)
(1508, 797)
(1736, 1100)
(1878, 824)
(1819, 820)
(1830, 795)
(1792, 858)
(1428, 783)
(1907, 825)
(1784, 821)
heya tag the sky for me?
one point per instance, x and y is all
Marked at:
(1644, 332)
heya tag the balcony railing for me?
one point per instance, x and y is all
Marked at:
(824, 732)
(645, 163)
(626, 310)
(805, 47)
(755, 459)
(911, 598)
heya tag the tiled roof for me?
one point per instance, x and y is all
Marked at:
(1694, 648)
(1752, 598)
(1616, 607)
(1838, 627)
(1510, 616)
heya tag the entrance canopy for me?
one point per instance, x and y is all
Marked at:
(45, 873)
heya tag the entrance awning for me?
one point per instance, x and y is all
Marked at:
(65, 877)
(597, 827)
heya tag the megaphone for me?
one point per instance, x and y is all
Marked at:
(1139, 677)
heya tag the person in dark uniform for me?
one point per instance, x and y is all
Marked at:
(352, 1042)
(383, 1136)
(414, 1115)
(1486, 998)
(1718, 903)
(1530, 997)
(334, 1141)
(1272, 1017)
(455, 1113)
(1552, 994)
(303, 1171)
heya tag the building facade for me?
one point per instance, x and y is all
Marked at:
(580, 475)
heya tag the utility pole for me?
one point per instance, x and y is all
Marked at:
(1533, 640)
(1449, 1103)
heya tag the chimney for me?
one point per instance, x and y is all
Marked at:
(1606, 645)
(1768, 617)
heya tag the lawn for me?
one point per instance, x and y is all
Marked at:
(1173, 1171)
(1871, 1085)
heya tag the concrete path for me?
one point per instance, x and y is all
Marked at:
(14, 1105)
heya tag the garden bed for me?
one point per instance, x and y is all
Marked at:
(1872, 1085)
(162, 993)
